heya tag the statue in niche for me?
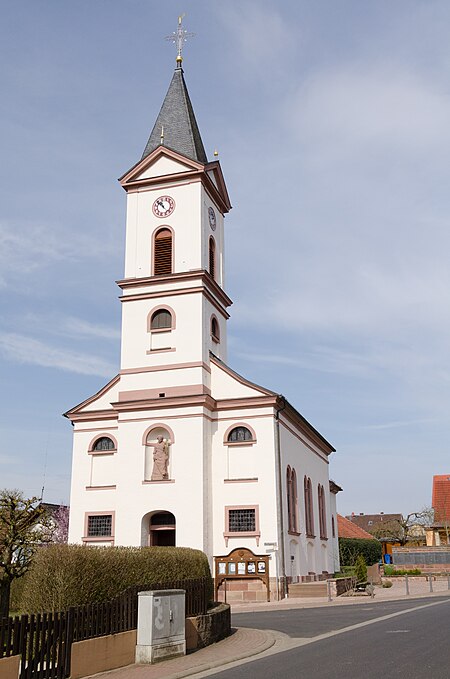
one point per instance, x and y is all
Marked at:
(160, 459)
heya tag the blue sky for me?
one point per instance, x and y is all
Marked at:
(332, 124)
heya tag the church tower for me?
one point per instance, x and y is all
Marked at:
(174, 304)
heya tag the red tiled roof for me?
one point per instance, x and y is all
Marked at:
(347, 529)
(441, 497)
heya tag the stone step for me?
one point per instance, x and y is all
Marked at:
(308, 589)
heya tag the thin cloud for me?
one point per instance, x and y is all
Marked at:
(22, 349)
(83, 328)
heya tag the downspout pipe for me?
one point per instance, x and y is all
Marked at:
(280, 523)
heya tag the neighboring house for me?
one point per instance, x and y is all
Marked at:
(383, 526)
(438, 533)
(178, 449)
(348, 529)
(392, 530)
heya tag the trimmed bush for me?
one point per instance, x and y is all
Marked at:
(72, 575)
(387, 584)
(392, 571)
(351, 548)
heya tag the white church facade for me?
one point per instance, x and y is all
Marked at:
(178, 449)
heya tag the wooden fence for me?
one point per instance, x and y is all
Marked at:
(44, 640)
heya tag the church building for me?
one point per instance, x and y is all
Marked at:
(179, 449)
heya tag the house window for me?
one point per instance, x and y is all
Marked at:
(99, 525)
(333, 529)
(240, 435)
(161, 320)
(104, 443)
(309, 515)
(242, 521)
(322, 513)
(162, 252)
(212, 257)
(215, 330)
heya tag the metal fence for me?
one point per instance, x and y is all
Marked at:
(44, 640)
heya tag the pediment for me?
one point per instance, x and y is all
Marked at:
(162, 162)
(100, 401)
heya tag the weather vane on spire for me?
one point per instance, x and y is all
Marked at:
(178, 37)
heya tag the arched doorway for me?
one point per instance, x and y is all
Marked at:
(161, 531)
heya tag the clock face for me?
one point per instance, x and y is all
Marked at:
(212, 218)
(163, 206)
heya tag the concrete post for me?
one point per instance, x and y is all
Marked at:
(407, 584)
(161, 625)
(430, 580)
(329, 590)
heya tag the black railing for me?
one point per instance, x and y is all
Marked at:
(44, 640)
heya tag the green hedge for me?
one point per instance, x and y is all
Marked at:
(71, 575)
(351, 548)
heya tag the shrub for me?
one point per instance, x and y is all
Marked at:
(72, 575)
(387, 583)
(360, 569)
(351, 548)
(390, 570)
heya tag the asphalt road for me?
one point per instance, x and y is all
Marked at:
(412, 645)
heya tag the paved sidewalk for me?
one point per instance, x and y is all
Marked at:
(243, 643)
(418, 587)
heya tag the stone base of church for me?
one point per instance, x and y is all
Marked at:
(248, 591)
(315, 577)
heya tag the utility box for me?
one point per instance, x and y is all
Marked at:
(161, 625)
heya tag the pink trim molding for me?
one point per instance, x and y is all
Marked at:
(99, 538)
(101, 487)
(241, 534)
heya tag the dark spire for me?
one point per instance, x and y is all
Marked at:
(175, 125)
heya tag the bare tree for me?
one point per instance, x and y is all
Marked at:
(406, 528)
(22, 523)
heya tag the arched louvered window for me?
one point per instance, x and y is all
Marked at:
(240, 434)
(309, 516)
(212, 257)
(215, 331)
(161, 320)
(333, 529)
(322, 514)
(162, 252)
(104, 443)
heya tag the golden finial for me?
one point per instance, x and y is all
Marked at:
(178, 37)
(162, 134)
(216, 153)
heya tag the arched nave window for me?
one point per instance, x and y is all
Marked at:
(292, 501)
(103, 443)
(162, 252)
(322, 513)
(240, 435)
(309, 515)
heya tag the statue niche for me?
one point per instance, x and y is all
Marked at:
(157, 455)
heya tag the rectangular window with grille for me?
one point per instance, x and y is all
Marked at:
(99, 525)
(241, 520)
